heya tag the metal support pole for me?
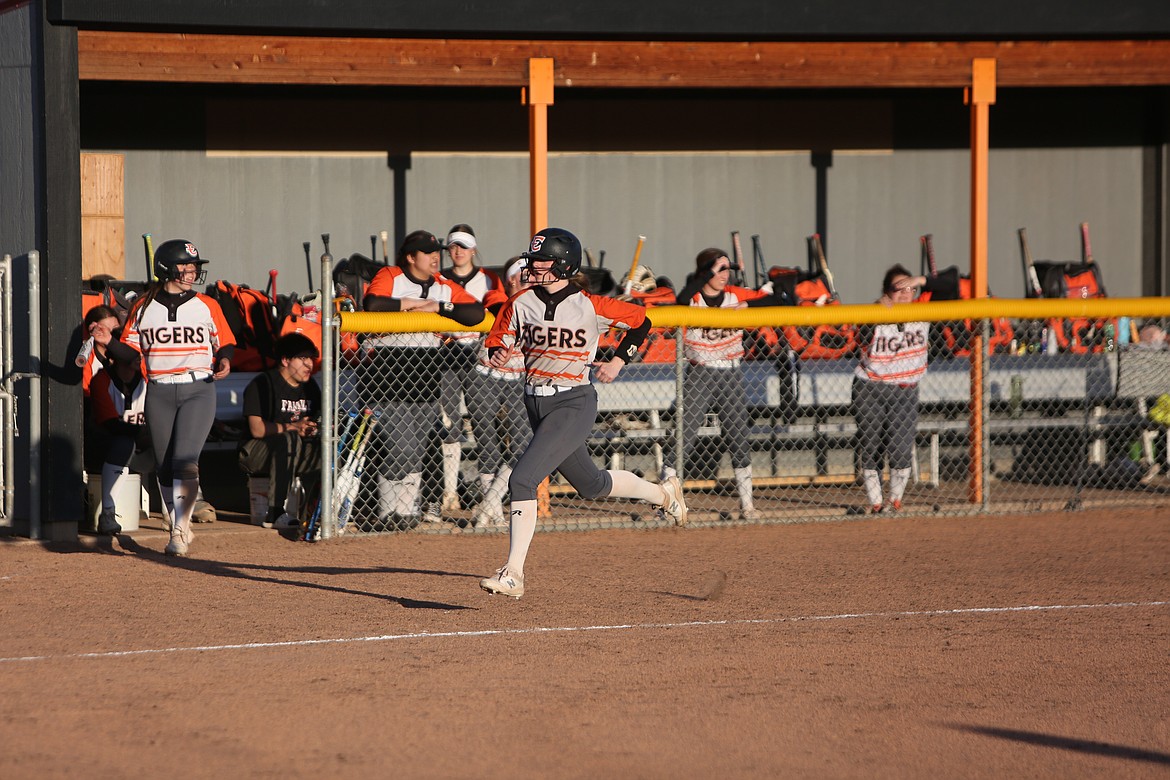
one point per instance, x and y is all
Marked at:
(679, 366)
(7, 396)
(980, 96)
(328, 397)
(538, 96)
(35, 421)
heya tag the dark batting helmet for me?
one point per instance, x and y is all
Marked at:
(558, 245)
(171, 254)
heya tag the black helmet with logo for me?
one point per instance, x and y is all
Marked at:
(558, 245)
(171, 254)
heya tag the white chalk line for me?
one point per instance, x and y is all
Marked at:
(571, 629)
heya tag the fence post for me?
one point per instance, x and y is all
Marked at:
(679, 367)
(328, 396)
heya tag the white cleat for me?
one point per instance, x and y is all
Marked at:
(504, 583)
(674, 506)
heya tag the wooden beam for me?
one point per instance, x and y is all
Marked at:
(256, 59)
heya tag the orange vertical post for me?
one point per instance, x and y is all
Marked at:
(980, 97)
(538, 96)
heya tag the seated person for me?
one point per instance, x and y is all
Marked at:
(281, 408)
(118, 397)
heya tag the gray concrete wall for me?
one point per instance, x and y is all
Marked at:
(17, 205)
(249, 213)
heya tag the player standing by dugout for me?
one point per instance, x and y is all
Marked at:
(401, 375)
(185, 344)
(459, 353)
(714, 378)
(555, 324)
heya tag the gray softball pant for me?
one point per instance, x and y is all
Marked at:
(887, 419)
(560, 425)
(399, 440)
(489, 399)
(179, 418)
(458, 368)
(708, 389)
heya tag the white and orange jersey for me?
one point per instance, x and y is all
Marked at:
(479, 285)
(560, 349)
(718, 347)
(178, 336)
(110, 403)
(393, 282)
(895, 354)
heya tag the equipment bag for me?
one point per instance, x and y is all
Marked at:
(799, 287)
(253, 322)
(1076, 280)
(954, 338)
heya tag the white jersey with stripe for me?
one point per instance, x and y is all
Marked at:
(559, 351)
(178, 339)
(393, 282)
(896, 353)
(110, 402)
(717, 347)
(479, 285)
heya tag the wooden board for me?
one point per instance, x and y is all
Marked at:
(103, 223)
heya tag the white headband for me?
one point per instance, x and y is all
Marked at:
(463, 239)
(515, 269)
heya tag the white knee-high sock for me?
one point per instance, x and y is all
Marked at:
(627, 484)
(873, 486)
(898, 480)
(112, 476)
(485, 482)
(523, 528)
(451, 454)
(388, 492)
(185, 491)
(408, 497)
(743, 486)
(167, 494)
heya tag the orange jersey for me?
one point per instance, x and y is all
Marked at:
(559, 350)
(178, 339)
(718, 347)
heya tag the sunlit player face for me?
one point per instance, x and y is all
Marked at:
(461, 257)
(300, 368)
(423, 265)
(722, 271)
(185, 276)
(540, 272)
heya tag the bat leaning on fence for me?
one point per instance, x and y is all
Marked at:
(823, 266)
(349, 477)
(634, 264)
(928, 254)
(311, 524)
(737, 260)
(148, 247)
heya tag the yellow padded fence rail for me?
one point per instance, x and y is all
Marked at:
(772, 316)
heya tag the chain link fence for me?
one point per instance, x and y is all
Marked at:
(1059, 412)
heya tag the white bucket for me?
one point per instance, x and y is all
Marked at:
(258, 498)
(128, 501)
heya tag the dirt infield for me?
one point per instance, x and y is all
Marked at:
(906, 648)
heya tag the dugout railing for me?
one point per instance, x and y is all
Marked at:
(1031, 426)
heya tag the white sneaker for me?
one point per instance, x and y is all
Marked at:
(504, 583)
(287, 521)
(674, 506)
(177, 546)
(750, 514)
(450, 504)
(108, 524)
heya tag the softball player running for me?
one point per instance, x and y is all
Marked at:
(714, 379)
(459, 354)
(401, 374)
(495, 395)
(555, 325)
(185, 344)
(885, 392)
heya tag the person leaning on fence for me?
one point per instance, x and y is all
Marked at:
(185, 344)
(495, 400)
(282, 407)
(714, 379)
(555, 325)
(459, 353)
(400, 377)
(885, 391)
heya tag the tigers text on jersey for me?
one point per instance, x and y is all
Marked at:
(110, 402)
(393, 282)
(896, 353)
(177, 339)
(718, 347)
(480, 284)
(559, 350)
